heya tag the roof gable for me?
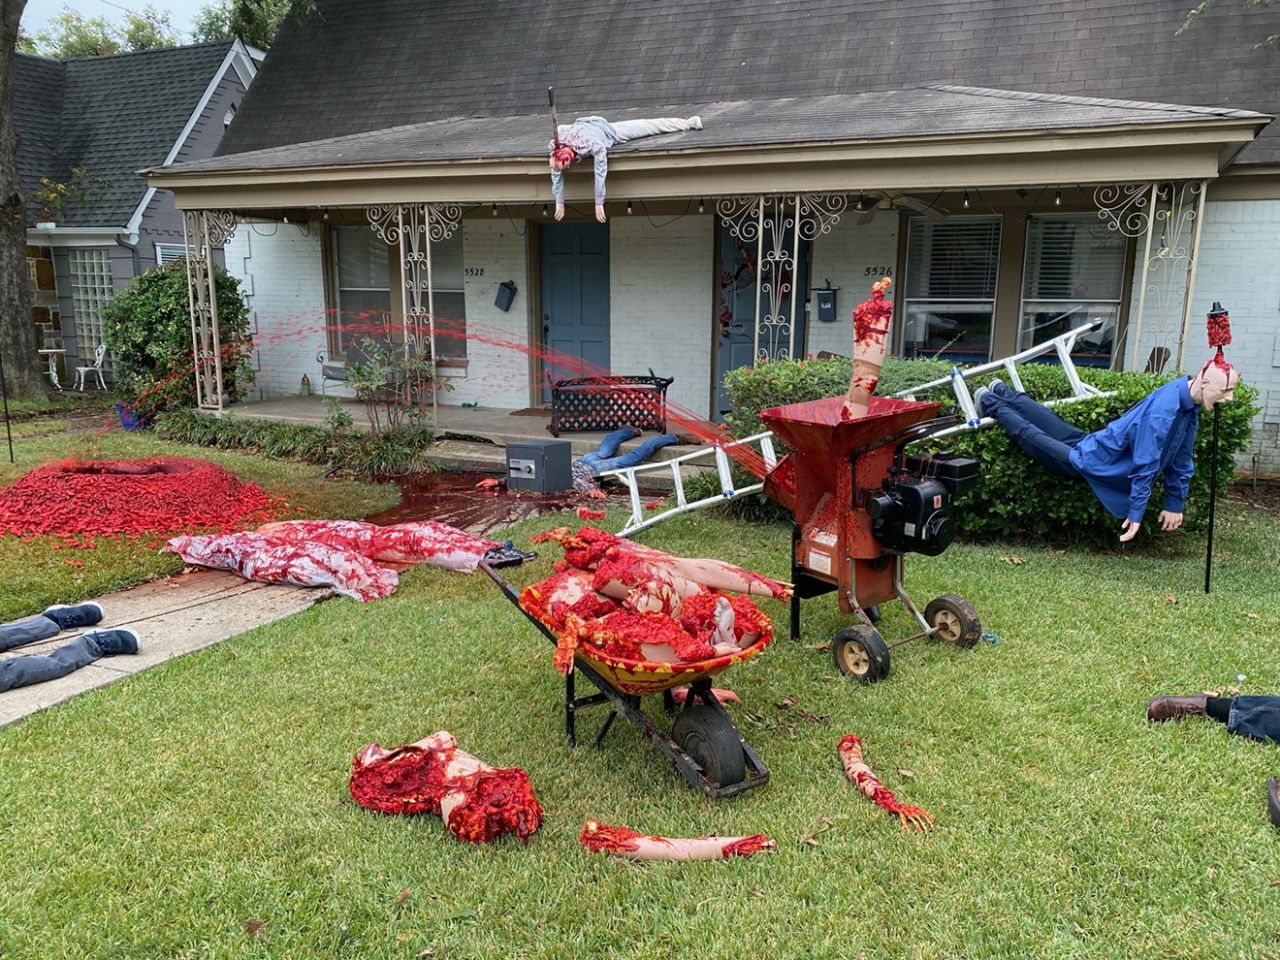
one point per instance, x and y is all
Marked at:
(365, 65)
(111, 115)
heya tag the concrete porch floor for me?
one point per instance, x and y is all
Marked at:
(494, 425)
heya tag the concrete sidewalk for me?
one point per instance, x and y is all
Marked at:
(173, 617)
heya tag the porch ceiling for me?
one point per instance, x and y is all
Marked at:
(941, 136)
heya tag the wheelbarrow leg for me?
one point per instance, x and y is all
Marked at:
(569, 708)
(604, 729)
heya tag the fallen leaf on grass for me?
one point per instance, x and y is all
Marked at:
(822, 647)
(811, 838)
(1013, 559)
(255, 928)
(1233, 691)
(909, 774)
(404, 895)
(1252, 616)
(1171, 600)
(787, 702)
(1212, 693)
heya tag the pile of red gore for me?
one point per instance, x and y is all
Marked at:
(78, 501)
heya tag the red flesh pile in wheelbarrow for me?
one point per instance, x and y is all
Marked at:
(628, 602)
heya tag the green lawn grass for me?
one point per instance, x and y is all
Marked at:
(37, 572)
(200, 809)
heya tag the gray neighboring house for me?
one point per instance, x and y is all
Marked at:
(113, 116)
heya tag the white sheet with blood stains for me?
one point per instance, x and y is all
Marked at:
(299, 562)
(422, 541)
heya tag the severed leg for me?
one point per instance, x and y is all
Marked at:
(622, 842)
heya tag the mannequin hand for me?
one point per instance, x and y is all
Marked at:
(559, 211)
(600, 212)
(1170, 521)
(1130, 530)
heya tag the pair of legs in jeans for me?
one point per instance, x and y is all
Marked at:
(606, 457)
(80, 652)
(1039, 432)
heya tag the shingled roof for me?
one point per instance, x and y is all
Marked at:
(365, 65)
(937, 111)
(111, 115)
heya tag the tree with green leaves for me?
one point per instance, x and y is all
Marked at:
(253, 21)
(72, 35)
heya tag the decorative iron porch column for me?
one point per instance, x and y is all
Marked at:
(413, 228)
(202, 230)
(776, 223)
(1169, 217)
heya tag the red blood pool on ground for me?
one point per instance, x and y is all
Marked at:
(79, 501)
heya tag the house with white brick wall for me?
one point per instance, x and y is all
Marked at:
(1015, 175)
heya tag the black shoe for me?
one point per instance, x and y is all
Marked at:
(1175, 708)
(114, 642)
(1273, 801)
(68, 615)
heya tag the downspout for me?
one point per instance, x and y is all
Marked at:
(133, 251)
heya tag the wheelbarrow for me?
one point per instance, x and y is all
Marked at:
(705, 745)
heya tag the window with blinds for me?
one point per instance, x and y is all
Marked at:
(949, 297)
(363, 272)
(1074, 273)
(169, 252)
(91, 288)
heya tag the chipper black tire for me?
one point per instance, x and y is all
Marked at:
(954, 619)
(709, 737)
(861, 653)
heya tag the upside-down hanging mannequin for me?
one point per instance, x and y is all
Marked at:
(1153, 438)
(594, 136)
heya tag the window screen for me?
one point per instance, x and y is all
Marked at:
(1074, 273)
(169, 252)
(950, 296)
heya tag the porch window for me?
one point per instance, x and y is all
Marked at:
(91, 287)
(362, 271)
(1074, 273)
(950, 293)
(450, 301)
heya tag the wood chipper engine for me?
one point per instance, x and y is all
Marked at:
(860, 504)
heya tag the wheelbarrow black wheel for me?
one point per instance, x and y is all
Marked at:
(872, 612)
(708, 736)
(954, 620)
(861, 653)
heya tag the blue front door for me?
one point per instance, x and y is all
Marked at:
(575, 299)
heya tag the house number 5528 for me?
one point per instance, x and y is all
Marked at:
(474, 272)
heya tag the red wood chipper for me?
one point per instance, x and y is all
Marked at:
(861, 504)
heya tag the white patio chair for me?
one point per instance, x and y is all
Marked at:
(81, 372)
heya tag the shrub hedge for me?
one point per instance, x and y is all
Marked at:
(147, 329)
(364, 455)
(1015, 497)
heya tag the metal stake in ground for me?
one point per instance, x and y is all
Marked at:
(1219, 327)
(4, 392)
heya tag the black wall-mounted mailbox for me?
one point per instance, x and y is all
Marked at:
(506, 296)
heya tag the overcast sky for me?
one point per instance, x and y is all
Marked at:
(38, 13)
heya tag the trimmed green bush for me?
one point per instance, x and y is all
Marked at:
(1015, 497)
(147, 328)
(367, 456)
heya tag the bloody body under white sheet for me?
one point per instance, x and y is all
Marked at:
(302, 563)
(423, 541)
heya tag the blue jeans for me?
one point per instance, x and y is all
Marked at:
(1039, 432)
(21, 632)
(606, 456)
(24, 671)
(1256, 717)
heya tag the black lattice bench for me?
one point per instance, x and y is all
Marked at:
(607, 403)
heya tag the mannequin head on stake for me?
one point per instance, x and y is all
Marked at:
(1215, 383)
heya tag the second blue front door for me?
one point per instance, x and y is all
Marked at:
(575, 299)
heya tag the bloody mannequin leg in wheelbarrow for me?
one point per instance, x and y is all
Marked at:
(860, 504)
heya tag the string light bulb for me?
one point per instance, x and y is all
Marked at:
(1057, 197)
(325, 215)
(966, 199)
(544, 209)
(285, 217)
(494, 208)
(700, 205)
(628, 208)
(861, 204)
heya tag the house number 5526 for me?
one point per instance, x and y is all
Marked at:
(878, 272)
(473, 272)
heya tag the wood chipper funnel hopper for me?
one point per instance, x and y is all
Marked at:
(860, 504)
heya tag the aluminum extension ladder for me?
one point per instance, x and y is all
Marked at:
(957, 379)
